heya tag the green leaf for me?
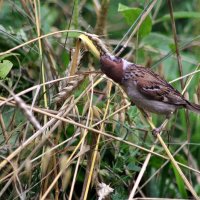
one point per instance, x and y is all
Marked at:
(8, 55)
(157, 40)
(179, 15)
(119, 193)
(76, 14)
(180, 183)
(133, 167)
(131, 14)
(5, 67)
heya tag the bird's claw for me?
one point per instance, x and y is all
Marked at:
(156, 131)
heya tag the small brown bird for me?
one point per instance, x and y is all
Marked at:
(147, 90)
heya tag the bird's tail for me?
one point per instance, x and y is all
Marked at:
(193, 107)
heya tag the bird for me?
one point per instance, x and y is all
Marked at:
(146, 89)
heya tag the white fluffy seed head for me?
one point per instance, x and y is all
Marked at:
(104, 190)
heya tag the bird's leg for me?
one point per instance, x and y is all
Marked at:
(145, 114)
(156, 131)
(147, 117)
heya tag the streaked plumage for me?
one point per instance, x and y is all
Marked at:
(146, 89)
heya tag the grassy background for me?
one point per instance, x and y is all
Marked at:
(76, 157)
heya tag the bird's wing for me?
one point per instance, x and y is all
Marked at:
(154, 87)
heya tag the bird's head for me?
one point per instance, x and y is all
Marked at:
(112, 66)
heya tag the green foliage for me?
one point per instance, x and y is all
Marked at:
(118, 162)
(131, 14)
(179, 15)
(5, 67)
(120, 194)
(180, 184)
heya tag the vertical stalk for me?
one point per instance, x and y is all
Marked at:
(97, 145)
